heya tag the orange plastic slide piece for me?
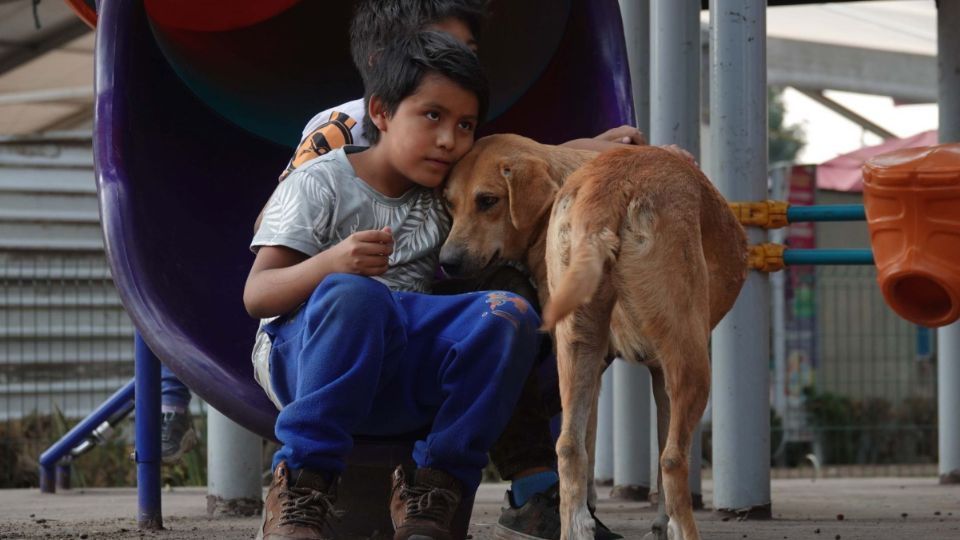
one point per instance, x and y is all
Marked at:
(912, 200)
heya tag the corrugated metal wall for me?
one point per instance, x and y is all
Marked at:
(65, 341)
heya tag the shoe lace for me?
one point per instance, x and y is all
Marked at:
(307, 506)
(425, 502)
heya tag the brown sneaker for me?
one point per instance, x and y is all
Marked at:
(424, 510)
(299, 506)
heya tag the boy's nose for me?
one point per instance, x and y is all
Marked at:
(445, 139)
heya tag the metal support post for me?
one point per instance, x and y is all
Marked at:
(147, 454)
(948, 355)
(675, 110)
(631, 458)
(631, 383)
(63, 475)
(741, 342)
(233, 467)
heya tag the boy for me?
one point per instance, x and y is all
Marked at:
(525, 452)
(353, 236)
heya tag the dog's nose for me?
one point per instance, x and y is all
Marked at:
(451, 260)
(451, 267)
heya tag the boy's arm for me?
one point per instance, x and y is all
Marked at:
(283, 278)
(618, 136)
(610, 139)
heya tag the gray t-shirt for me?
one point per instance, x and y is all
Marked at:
(323, 202)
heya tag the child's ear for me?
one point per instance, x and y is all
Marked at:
(377, 112)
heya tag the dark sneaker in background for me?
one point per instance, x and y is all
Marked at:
(539, 519)
(177, 436)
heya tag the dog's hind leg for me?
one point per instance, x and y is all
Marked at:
(686, 367)
(581, 346)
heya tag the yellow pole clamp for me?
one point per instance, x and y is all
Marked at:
(767, 257)
(766, 214)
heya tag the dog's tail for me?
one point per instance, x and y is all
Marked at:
(595, 219)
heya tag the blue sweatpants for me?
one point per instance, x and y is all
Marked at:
(173, 393)
(359, 359)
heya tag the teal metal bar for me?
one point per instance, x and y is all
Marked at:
(793, 257)
(827, 212)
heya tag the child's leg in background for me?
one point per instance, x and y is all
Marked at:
(360, 359)
(174, 395)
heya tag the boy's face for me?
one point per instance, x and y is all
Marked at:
(430, 130)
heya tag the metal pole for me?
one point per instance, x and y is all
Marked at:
(675, 74)
(631, 383)
(741, 343)
(631, 458)
(793, 257)
(826, 212)
(779, 191)
(636, 31)
(233, 467)
(147, 398)
(675, 109)
(51, 456)
(948, 356)
(603, 466)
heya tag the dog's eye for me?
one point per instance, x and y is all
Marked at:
(485, 202)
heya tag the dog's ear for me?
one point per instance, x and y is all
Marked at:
(531, 189)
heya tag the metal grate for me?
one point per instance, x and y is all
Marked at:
(66, 344)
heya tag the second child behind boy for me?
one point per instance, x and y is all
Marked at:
(347, 245)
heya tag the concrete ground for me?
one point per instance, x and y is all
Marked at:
(851, 509)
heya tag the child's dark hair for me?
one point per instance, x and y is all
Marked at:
(377, 22)
(401, 66)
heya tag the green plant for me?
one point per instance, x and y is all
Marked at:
(108, 464)
(832, 417)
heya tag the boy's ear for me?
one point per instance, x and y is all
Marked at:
(531, 189)
(377, 112)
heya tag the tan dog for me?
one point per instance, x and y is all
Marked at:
(644, 253)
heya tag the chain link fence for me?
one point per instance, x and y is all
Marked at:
(856, 392)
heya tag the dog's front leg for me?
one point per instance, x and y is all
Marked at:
(577, 361)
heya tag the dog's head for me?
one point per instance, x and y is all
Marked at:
(499, 195)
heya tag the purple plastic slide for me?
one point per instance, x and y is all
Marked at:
(194, 126)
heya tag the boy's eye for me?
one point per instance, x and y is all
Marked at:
(466, 126)
(433, 115)
(485, 202)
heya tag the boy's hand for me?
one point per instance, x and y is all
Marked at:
(680, 152)
(365, 253)
(623, 135)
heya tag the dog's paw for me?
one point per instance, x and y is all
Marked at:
(673, 531)
(582, 525)
(662, 529)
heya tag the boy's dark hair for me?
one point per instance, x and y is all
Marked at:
(376, 23)
(401, 66)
